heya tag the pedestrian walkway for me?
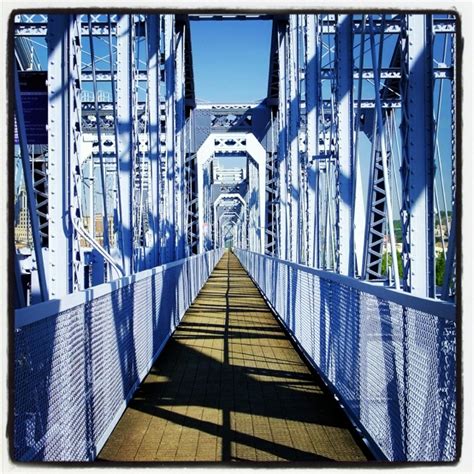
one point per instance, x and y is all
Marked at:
(229, 386)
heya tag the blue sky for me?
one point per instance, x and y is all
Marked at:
(231, 60)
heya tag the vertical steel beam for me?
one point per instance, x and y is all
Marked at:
(312, 129)
(75, 142)
(153, 30)
(60, 258)
(359, 216)
(126, 145)
(170, 175)
(180, 239)
(418, 159)
(271, 227)
(384, 154)
(294, 158)
(34, 220)
(449, 279)
(200, 197)
(344, 157)
(282, 139)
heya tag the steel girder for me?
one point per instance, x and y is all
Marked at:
(154, 154)
(34, 218)
(64, 119)
(338, 94)
(314, 203)
(313, 92)
(126, 146)
(135, 139)
(344, 147)
(418, 158)
(283, 222)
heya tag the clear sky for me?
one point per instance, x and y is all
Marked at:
(231, 60)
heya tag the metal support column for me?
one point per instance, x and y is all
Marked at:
(153, 28)
(282, 140)
(62, 155)
(126, 145)
(34, 218)
(418, 158)
(294, 158)
(344, 171)
(180, 238)
(169, 210)
(312, 130)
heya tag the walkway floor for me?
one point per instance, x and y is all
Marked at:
(229, 386)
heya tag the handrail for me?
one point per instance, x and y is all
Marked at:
(439, 308)
(45, 309)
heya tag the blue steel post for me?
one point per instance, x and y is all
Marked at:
(60, 235)
(344, 157)
(126, 145)
(449, 272)
(26, 165)
(180, 239)
(105, 223)
(282, 140)
(294, 156)
(358, 204)
(312, 134)
(153, 28)
(418, 159)
(75, 143)
(379, 126)
(169, 211)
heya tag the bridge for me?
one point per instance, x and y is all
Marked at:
(215, 282)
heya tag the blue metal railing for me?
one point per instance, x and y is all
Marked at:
(79, 360)
(388, 356)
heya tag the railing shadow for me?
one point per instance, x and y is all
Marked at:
(190, 376)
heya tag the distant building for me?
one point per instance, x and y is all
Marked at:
(23, 235)
(98, 229)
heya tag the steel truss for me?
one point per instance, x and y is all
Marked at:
(358, 93)
(120, 187)
(107, 190)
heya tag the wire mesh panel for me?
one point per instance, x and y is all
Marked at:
(390, 357)
(76, 368)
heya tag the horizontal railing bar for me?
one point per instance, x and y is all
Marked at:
(440, 309)
(46, 309)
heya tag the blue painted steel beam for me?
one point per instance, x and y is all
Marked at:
(169, 210)
(126, 146)
(26, 165)
(154, 152)
(59, 156)
(418, 165)
(282, 140)
(294, 192)
(312, 104)
(345, 148)
(179, 100)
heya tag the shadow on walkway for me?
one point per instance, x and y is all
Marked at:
(229, 386)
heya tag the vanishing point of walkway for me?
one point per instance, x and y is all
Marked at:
(229, 386)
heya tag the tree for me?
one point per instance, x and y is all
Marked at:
(440, 267)
(384, 262)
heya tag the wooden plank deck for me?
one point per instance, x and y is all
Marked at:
(229, 386)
